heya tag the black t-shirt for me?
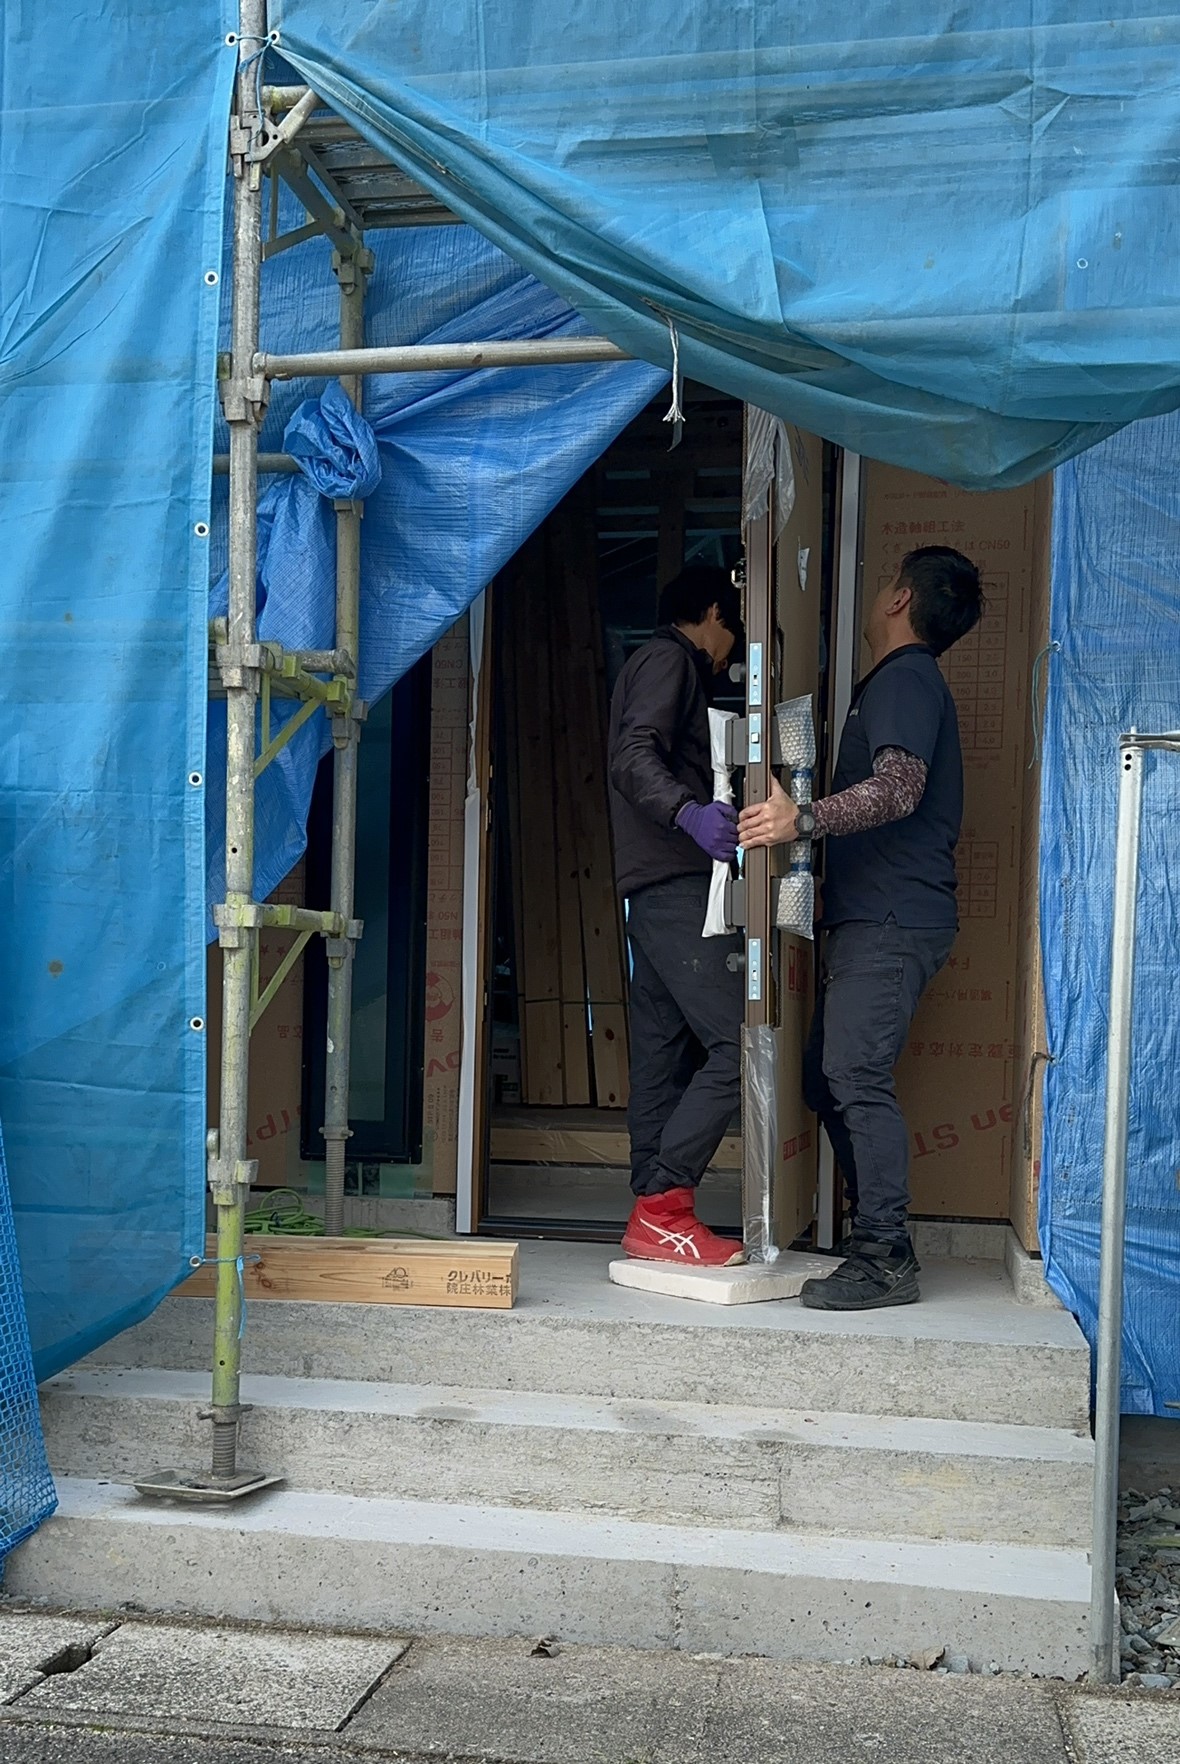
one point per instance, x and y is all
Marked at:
(907, 868)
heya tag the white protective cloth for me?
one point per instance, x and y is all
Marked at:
(715, 923)
(795, 896)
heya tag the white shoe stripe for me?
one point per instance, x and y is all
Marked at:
(679, 1241)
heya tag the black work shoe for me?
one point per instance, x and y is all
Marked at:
(873, 1275)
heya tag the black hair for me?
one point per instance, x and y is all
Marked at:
(946, 594)
(687, 598)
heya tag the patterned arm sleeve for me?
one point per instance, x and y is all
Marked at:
(893, 792)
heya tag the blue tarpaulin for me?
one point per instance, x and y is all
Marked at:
(945, 236)
(1116, 622)
(112, 183)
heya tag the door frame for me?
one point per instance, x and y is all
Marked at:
(476, 927)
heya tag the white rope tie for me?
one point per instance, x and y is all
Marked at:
(675, 413)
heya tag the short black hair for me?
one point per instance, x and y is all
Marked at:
(687, 597)
(946, 594)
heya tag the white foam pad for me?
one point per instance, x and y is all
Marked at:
(747, 1284)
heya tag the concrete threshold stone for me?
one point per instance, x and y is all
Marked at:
(187, 1677)
(751, 1283)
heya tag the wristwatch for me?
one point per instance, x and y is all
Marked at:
(804, 824)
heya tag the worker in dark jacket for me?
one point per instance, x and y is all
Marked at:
(686, 999)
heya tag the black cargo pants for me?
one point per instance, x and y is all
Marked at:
(686, 1020)
(871, 981)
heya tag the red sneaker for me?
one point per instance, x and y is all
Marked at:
(665, 1228)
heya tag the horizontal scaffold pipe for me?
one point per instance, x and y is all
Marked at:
(267, 462)
(429, 358)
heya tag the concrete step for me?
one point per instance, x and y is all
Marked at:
(968, 1352)
(407, 1567)
(712, 1464)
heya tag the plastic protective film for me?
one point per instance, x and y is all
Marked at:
(759, 1135)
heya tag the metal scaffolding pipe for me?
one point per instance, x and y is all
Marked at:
(294, 120)
(267, 462)
(231, 1171)
(1104, 1659)
(280, 98)
(425, 358)
(351, 270)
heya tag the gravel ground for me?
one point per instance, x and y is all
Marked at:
(1149, 1588)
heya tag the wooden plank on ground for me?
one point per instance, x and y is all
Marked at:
(378, 1271)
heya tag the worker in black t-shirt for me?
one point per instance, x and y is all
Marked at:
(891, 824)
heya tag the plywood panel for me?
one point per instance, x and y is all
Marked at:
(388, 1271)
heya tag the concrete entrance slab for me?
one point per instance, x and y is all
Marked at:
(747, 1285)
(213, 1677)
(1115, 1730)
(29, 1644)
(603, 1705)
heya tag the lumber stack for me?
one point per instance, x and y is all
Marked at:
(570, 966)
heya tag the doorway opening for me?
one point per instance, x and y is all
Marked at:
(575, 603)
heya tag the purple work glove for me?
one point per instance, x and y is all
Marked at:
(714, 827)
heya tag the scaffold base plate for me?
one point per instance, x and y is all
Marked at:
(202, 1485)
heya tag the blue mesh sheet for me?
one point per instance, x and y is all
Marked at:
(1116, 617)
(112, 179)
(941, 232)
(26, 1487)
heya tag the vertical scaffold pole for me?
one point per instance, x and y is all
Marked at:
(230, 1172)
(1104, 1663)
(351, 269)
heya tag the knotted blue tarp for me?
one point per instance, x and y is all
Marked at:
(455, 471)
(943, 233)
(1115, 666)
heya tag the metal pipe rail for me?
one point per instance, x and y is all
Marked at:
(426, 358)
(1104, 1661)
(267, 462)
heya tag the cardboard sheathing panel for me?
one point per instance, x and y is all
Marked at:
(1031, 1045)
(959, 1080)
